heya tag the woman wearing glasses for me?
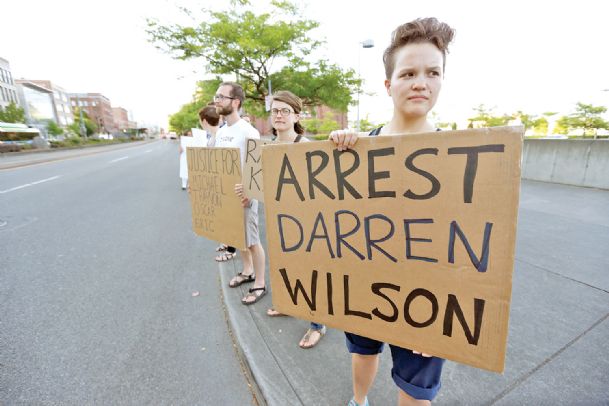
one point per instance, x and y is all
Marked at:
(285, 119)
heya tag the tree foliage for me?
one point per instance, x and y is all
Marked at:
(53, 128)
(90, 126)
(247, 43)
(485, 117)
(12, 114)
(320, 126)
(586, 118)
(187, 117)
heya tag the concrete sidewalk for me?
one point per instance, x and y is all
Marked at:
(558, 344)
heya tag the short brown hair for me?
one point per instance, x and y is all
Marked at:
(209, 114)
(236, 91)
(294, 102)
(420, 30)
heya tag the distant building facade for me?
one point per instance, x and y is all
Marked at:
(98, 108)
(121, 119)
(37, 102)
(8, 90)
(61, 102)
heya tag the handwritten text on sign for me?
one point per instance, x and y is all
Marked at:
(408, 240)
(216, 210)
(252, 170)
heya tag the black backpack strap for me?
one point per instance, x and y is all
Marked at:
(376, 131)
(297, 139)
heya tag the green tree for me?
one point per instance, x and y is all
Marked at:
(587, 118)
(12, 114)
(90, 127)
(366, 125)
(320, 126)
(246, 43)
(53, 128)
(186, 118)
(485, 116)
(561, 126)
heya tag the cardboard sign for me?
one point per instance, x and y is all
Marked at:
(252, 170)
(404, 239)
(217, 213)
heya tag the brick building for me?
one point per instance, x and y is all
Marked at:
(98, 108)
(121, 119)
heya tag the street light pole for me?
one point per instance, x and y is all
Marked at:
(83, 129)
(364, 44)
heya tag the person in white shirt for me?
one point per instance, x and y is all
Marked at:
(229, 99)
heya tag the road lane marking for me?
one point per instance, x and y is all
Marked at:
(30, 184)
(145, 152)
(119, 159)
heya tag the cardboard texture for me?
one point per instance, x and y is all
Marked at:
(252, 169)
(405, 239)
(217, 213)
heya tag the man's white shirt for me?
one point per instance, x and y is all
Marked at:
(234, 136)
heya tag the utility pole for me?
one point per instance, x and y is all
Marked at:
(83, 129)
(364, 44)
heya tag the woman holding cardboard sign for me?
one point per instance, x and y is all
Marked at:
(414, 69)
(285, 116)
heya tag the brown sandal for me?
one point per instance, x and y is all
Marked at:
(274, 313)
(240, 279)
(226, 256)
(307, 337)
(256, 296)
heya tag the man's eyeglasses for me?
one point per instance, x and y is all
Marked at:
(284, 112)
(221, 97)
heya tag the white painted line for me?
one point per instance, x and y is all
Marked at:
(119, 159)
(145, 152)
(30, 184)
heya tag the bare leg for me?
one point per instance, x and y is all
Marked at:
(363, 369)
(258, 257)
(405, 399)
(246, 259)
(256, 253)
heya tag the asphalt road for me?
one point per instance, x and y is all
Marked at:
(97, 273)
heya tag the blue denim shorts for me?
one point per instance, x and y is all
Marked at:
(416, 375)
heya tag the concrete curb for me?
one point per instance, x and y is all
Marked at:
(257, 355)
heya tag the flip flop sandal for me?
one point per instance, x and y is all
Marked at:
(227, 256)
(274, 313)
(222, 248)
(242, 279)
(253, 294)
(307, 337)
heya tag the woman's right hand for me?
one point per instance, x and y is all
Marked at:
(344, 139)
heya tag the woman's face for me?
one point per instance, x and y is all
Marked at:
(416, 80)
(280, 119)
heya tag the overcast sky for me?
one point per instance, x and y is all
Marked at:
(516, 55)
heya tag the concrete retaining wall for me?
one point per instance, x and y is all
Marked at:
(571, 162)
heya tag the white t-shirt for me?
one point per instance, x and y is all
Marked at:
(234, 136)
